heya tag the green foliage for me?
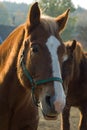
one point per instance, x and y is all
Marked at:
(56, 7)
(69, 29)
(12, 13)
(4, 16)
(15, 14)
(81, 26)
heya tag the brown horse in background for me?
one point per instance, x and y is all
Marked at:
(74, 73)
(30, 72)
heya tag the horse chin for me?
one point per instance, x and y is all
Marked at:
(50, 117)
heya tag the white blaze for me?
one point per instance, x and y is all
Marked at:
(52, 45)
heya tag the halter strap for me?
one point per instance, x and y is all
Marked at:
(39, 82)
(34, 84)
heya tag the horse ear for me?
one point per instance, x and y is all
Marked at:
(73, 46)
(62, 19)
(34, 15)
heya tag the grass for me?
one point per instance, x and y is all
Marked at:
(56, 125)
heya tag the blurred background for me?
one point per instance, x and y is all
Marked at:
(14, 12)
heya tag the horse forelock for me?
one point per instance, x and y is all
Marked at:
(49, 24)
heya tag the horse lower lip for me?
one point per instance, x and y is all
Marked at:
(50, 117)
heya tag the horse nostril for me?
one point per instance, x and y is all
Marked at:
(48, 100)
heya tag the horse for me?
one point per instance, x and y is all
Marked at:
(74, 74)
(30, 71)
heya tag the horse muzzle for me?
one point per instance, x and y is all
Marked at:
(50, 108)
(52, 105)
(50, 115)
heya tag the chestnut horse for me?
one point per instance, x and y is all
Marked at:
(30, 72)
(74, 72)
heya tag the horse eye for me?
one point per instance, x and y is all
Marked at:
(35, 48)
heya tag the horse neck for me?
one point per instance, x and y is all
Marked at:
(80, 68)
(9, 52)
(83, 68)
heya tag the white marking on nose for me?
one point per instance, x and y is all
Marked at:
(52, 45)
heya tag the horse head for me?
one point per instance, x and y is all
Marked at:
(40, 58)
(71, 62)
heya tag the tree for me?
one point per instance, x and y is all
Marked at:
(81, 28)
(16, 13)
(56, 7)
(68, 33)
(4, 17)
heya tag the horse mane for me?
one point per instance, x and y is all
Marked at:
(9, 50)
(79, 52)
